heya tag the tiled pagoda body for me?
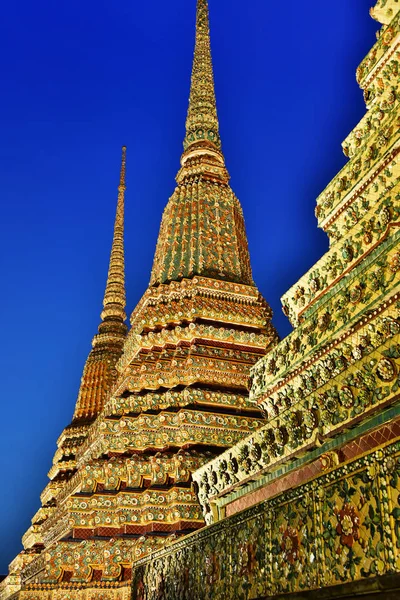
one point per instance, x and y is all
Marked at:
(308, 506)
(312, 499)
(120, 486)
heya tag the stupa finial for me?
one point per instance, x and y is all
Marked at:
(99, 373)
(114, 296)
(202, 121)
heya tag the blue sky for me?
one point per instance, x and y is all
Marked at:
(79, 80)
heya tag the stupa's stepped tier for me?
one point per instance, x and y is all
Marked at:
(168, 338)
(366, 168)
(355, 219)
(105, 561)
(179, 398)
(338, 371)
(375, 123)
(170, 429)
(360, 208)
(139, 471)
(199, 331)
(385, 10)
(33, 536)
(191, 300)
(54, 487)
(342, 310)
(197, 165)
(370, 73)
(336, 359)
(376, 134)
(374, 219)
(188, 365)
(348, 381)
(165, 430)
(64, 463)
(125, 512)
(113, 497)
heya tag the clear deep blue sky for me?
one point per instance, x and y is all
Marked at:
(80, 79)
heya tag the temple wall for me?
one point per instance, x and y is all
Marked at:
(92, 593)
(342, 526)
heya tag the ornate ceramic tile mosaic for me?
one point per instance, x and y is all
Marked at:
(343, 526)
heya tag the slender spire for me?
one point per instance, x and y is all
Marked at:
(202, 154)
(114, 297)
(202, 230)
(100, 373)
(202, 120)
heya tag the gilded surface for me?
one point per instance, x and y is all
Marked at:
(202, 230)
(98, 377)
(338, 370)
(202, 120)
(179, 408)
(121, 483)
(385, 10)
(99, 373)
(340, 527)
(340, 365)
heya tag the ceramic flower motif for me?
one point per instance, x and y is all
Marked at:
(212, 568)
(247, 559)
(290, 545)
(348, 525)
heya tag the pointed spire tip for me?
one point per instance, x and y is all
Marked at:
(202, 120)
(122, 173)
(114, 297)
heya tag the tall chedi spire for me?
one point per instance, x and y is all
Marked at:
(115, 297)
(98, 377)
(181, 396)
(202, 230)
(99, 373)
(202, 120)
